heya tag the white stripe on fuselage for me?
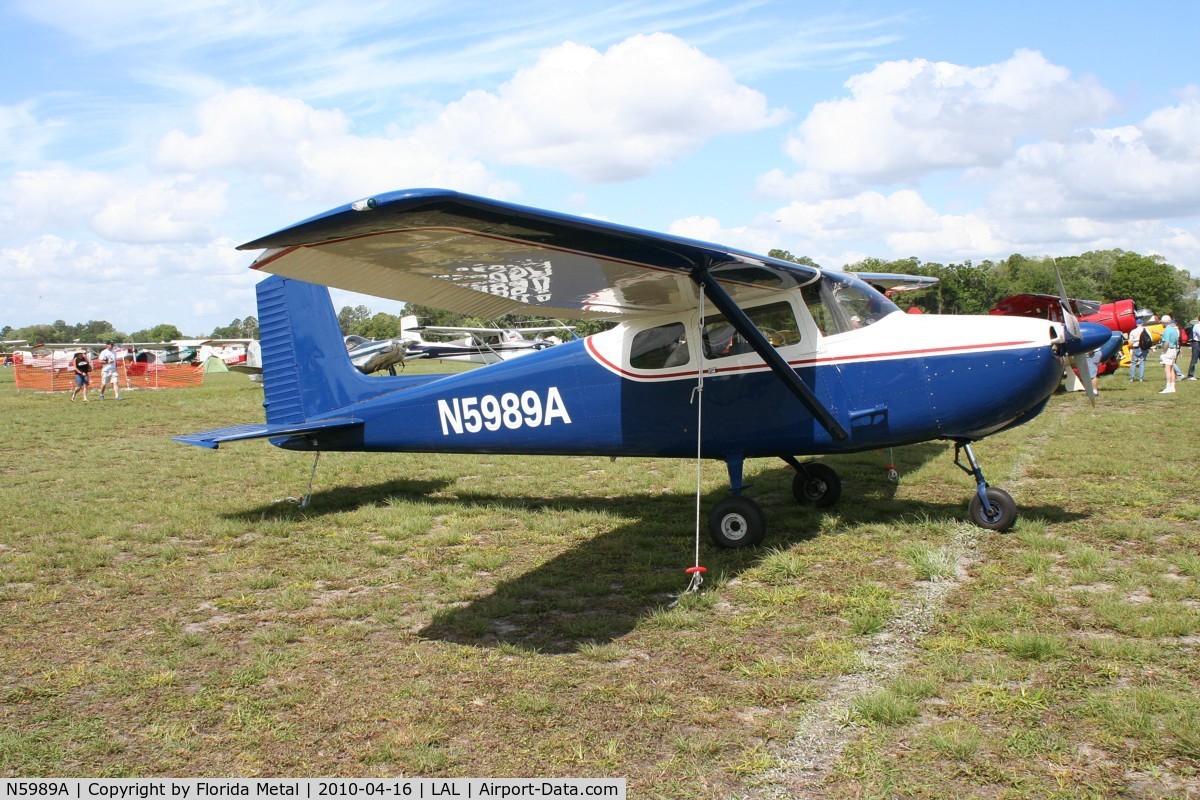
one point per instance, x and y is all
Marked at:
(897, 336)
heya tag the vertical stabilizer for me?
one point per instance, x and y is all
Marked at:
(306, 372)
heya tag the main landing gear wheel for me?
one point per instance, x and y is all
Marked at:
(817, 484)
(1000, 514)
(737, 521)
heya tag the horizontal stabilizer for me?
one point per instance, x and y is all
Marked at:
(215, 438)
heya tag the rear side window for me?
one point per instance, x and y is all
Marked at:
(658, 348)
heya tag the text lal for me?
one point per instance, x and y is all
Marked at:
(510, 410)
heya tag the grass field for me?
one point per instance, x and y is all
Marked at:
(168, 611)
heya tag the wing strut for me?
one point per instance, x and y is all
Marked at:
(742, 324)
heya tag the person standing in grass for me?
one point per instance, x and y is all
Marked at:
(1140, 343)
(1194, 343)
(108, 371)
(82, 369)
(1170, 345)
(1093, 364)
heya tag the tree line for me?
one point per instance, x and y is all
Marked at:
(965, 288)
(1103, 275)
(100, 330)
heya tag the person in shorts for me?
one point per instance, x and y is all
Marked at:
(82, 370)
(108, 371)
(1170, 351)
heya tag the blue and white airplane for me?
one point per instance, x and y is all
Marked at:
(789, 359)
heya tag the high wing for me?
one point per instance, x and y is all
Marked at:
(487, 258)
(68, 345)
(892, 282)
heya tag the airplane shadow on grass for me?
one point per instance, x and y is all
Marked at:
(342, 498)
(600, 589)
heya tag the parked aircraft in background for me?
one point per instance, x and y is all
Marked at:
(472, 345)
(1118, 316)
(252, 365)
(482, 345)
(376, 355)
(230, 351)
(717, 353)
(8, 348)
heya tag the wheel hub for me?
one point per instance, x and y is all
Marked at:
(734, 526)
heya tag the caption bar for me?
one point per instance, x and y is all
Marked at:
(311, 788)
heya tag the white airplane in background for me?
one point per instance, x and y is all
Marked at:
(482, 345)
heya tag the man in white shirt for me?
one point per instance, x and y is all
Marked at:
(108, 371)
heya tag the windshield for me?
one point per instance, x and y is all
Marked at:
(841, 302)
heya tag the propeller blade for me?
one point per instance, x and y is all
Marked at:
(1073, 337)
(1070, 321)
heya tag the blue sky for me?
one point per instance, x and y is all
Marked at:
(141, 142)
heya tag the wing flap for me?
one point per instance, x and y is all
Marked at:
(236, 433)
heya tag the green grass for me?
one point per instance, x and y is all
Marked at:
(169, 611)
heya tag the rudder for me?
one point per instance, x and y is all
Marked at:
(306, 372)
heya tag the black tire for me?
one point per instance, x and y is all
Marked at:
(1002, 512)
(737, 522)
(821, 486)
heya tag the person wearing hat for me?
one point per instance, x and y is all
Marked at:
(1170, 345)
(1194, 343)
(81, 368)
(1138, 350)
(108, 371)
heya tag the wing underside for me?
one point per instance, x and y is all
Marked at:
(487, 259)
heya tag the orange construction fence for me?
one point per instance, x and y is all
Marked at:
(133, 375)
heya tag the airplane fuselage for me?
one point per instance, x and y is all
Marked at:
(903, 379)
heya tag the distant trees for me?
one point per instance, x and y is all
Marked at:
(1153, 284)
(238, 329)
(96, 330)
(164, 332)
(349, 319)
(1103, 275)
(359, 321)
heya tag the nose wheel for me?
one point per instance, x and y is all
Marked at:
(990, 508)
(998, 514)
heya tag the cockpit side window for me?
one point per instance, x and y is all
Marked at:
(777, 322)
(841, 303)
(660, 347)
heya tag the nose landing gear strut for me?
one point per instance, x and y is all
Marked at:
(990, 507)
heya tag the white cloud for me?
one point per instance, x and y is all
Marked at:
(131, 285)
(305, 153)
(252, 130)
(1151, 170)
(905, 119)
(610, 116)
(51, 199)
(163, 210)
(1031, 170)
(168, 209)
